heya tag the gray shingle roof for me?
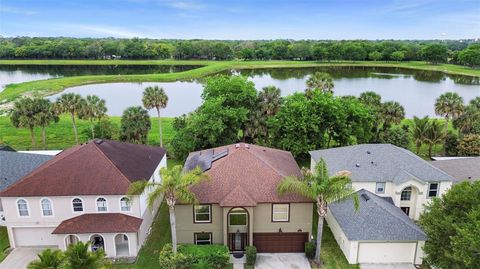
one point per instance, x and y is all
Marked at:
(379, 163)
(16, 165)
(376, 220)
(461, 169)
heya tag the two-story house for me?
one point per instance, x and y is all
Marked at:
(389, 180)
(80, 195)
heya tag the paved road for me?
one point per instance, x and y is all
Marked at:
(19, 258)
(282, 260)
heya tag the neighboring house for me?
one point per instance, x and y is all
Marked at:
(388, 171)
(80, 195)
(389, 180)
(239, 205)
(14, 166)
(462, 169)
(6, 148)
(377, 233)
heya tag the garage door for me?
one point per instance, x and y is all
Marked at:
(386, 252)
(280, 242)
(34, 237)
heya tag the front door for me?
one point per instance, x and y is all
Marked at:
(237, 241)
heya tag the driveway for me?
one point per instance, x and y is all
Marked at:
(387, 266)
(282, 260)
(19, 258)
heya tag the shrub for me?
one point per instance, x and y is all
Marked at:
(310, 249)
(469, 145)
(451, 144)
(207, 256)
(251, 253)
(169, 260)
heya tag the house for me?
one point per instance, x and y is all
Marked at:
(462, 169)
(80, 195)
(388, 171)
(6, 148)
(379, 232)
(14, 166)
(393, 185)
(239, 205)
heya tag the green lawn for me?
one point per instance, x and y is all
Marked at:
(55, 85)
(4, 243)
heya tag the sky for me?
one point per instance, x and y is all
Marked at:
(245, 19)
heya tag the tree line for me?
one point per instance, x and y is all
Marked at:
(466, 52)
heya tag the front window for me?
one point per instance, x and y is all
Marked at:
(280, 212)
(406, 194)
(432, 190)
(203, 238)
(46, 207)
(380, 188)
(102, 204)
(125, 204)
(237, 216)
(77, 205)
(22, 206)
(202, 213)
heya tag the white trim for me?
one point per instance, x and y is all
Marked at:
(64, 241)
(437, 191)
(103, 238)
(129, 206)
(96, 204)
(115, 244)
(384, 187)
(202, 221)
(83, 205)
(18, 209)
(51, 207)
(281, 212)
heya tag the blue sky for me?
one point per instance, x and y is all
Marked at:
(247, 19)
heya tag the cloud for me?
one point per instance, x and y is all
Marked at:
(184, 5)
(15, 10)
(103, 30)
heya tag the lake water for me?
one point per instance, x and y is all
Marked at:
(415, 90)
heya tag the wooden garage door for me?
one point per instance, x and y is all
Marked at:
(386, 252)
(280, 242)
(34, 237)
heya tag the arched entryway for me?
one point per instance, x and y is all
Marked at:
(98, 242)
(408, 200)
(238, 220)
(71, 239)
(121, 245)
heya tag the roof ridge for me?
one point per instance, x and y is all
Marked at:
(242, 190)
(268, 164)
(110, 161)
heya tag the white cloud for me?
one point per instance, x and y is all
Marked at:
(15, 10)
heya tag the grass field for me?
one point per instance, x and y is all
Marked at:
(4, 243)
(55, 85)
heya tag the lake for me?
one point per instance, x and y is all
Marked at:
(415, 90)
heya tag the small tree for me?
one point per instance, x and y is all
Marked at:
(469, 145)
(155, 97)
(174, 187)
(70, 103)
(320, 187)
(45, 116)
(135, 125)
(78, 256)
(419, 131)
(397, 56)
(450, 106)
(93, 109)
(391, 113)
(24, 116)
(375, 55)
(48, 259)
(320, 80)
(434, 53)
(433, 135)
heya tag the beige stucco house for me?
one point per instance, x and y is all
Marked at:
(80, 195)
(398, 185)
(239, 206)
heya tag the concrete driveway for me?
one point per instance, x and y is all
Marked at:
(387, 266)
(19, 258)
(282, 260)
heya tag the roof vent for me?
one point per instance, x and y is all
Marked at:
(247, 146)
(357, 165)
(365, 196)
(237, 146)
(98, 141)
(368, 152)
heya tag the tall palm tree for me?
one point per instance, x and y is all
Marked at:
(469, 120)
(93, 109)
(174, 186)
(135, 125)
(270, 100)
(268, 104)
(392, 113)
(419, 131)
(320, 80)
(45, 116)
(370, 99)
(324, 189)
(433, 135)
(78, 256)
(155, 97)
(48, 259)
(23, 116)
(70, 103)
(449, 105)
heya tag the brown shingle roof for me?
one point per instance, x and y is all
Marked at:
(99, 223)
(100, 167)
(248, 175)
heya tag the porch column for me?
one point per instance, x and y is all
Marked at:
(225, 225)
(250, 225)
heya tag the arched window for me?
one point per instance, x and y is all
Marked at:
(102, 204)
(125, 204)
(22, 206)
(77, 205)
(406, 194)
(46, 207)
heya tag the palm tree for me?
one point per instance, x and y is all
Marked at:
(94, 108)
(135, 125)
(48, 259)
(371, 99)
(319, 186)
(392, 113)
(433, 135)
(268, 104)
(45, 116)
(270, 100)
(155, 97)
(70, 103)
(419, 130)
(320, 80)
(23, 116)
(470, 118)
(78, 256)
(174, 186)
(449, 105)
